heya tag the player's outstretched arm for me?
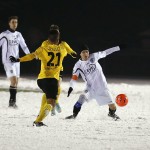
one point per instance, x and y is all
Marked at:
(102, 54)
(74, 79)
(72, 84)
(73, 54)
(112, 50)
(27, 57)
(70, 51)
(115, 49)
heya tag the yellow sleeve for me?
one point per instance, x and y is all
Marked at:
(31, 56)
(70, 51)
(27, 57)
(62, 68)
(38, 52)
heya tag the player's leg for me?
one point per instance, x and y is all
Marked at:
(112, 107)
(105, 98)
(50, 88)
(13, 91)
(77, 106)
(13, 73)
(112, 111)
(43, 103)
(14, 83)
(57, 105)
(45, 109)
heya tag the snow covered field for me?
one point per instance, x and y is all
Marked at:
(92, 130)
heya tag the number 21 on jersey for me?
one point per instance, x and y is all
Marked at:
(51, 62)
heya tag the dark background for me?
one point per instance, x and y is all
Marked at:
(101, 24)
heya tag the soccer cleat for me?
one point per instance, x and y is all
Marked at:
(53, 113)
(12, 104)
(39, 124)
(71, 116)
(15, 106)
(58, 108)
(114, 116)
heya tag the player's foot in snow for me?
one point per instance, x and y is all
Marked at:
(114, 116)
(71, 116)
(39, 124)
(58, 108)
(53, 113)
(13, 105)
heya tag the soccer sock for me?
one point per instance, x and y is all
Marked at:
(44, 112)
(112, 112)
(57, 100)
(76, 108)
(44, 102)
(59, 90)
(13, 92)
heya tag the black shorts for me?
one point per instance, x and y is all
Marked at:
(49, 86)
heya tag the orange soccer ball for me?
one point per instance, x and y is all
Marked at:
(121, 100)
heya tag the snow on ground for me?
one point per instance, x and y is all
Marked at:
(91, 130)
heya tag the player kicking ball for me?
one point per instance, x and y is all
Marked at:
(96, 84)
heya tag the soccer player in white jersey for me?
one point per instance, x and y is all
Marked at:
(96, 84)
(10, 41)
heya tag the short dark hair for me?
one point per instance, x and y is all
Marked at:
(54, 27)
(12, 17)
(83, 47)
(53, 35)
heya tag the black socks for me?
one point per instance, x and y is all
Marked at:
(112, 112)
(76, 109)
(13, 91)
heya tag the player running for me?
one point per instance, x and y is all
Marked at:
(57, 105)
(96, 85)
(10, 41)
(51, 53)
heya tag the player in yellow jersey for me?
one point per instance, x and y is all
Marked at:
(51, 53)
(57, 105)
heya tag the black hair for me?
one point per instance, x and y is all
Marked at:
(54, 27)
(53, 35)
(83, 47)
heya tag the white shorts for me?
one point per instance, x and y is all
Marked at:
(103, 98)
(12, 69)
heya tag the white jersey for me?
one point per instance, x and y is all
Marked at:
(92, 73)
(10, 42)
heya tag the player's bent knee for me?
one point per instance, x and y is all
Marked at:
(13, 81)
(51, 102)
(82, 99)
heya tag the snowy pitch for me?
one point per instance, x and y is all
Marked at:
(91, 130)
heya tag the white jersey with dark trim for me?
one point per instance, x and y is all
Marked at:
(10, 42)
(91, 70)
